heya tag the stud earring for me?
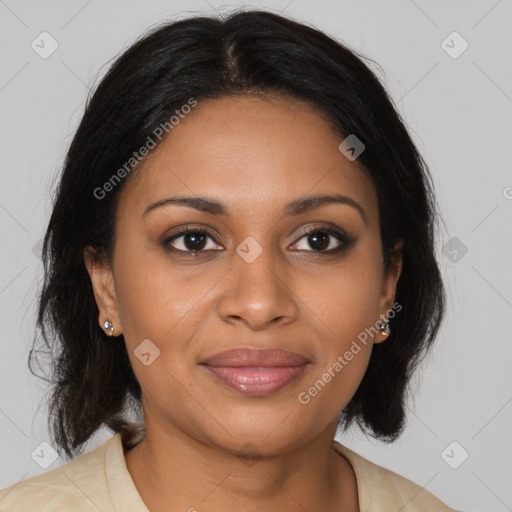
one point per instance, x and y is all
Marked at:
(108, 325)
(384, 328)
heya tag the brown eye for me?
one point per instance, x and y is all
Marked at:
(324, 240)
(320, 240)
(190, 240)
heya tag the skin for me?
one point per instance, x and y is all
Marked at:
(254, 155)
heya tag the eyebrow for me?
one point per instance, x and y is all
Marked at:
(296, 207)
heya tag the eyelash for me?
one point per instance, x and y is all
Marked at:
(345, 240)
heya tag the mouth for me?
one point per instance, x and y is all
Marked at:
(256, 372)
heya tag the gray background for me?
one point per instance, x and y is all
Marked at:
(459, 113)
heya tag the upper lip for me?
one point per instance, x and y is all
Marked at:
(249, 357)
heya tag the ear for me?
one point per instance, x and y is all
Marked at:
(390, 280)
(102, 279)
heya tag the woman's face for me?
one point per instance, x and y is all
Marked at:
(256, 280)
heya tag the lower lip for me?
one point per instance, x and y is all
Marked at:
(256, 381)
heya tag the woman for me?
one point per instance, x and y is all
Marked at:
(241, 250)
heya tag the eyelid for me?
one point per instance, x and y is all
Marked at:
(193, 228)
(332, 229)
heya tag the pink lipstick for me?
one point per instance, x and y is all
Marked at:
(256, 372)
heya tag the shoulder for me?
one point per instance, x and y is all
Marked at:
(380, 488)
(79, 485)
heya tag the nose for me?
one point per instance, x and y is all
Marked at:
(258, 294)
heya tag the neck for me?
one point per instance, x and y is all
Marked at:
(173, 471)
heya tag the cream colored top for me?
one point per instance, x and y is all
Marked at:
(100, 481)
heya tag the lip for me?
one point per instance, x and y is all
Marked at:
(256, 372)
(263, 357)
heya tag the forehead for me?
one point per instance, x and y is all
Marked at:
(249, 153)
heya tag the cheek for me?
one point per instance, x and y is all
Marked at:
(158, 304)
(159, 300)
(344, 307)
(342, 357)
(347, 298)
(143, 290)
